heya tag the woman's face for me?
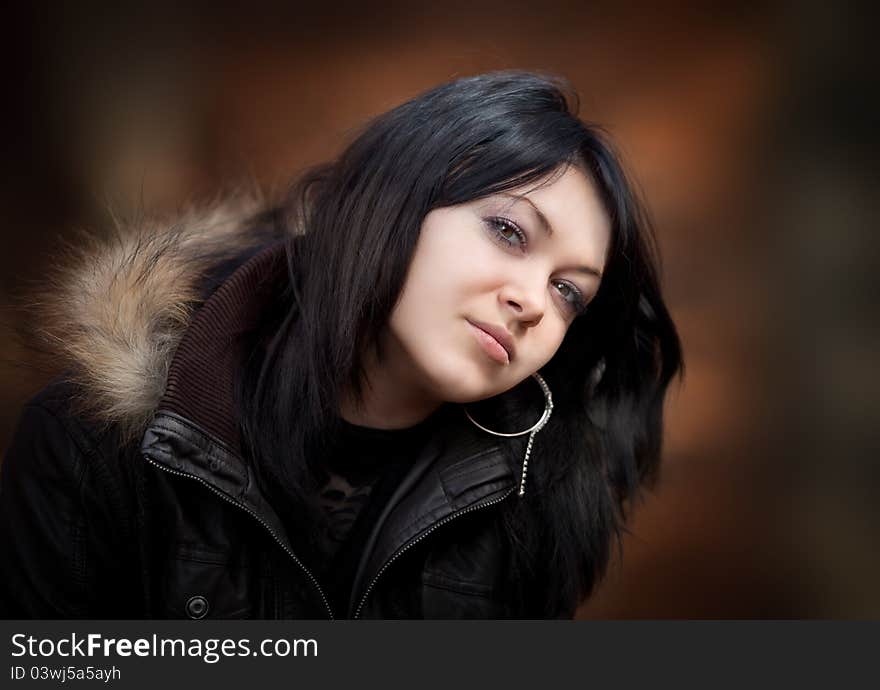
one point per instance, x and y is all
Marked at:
(494, 285)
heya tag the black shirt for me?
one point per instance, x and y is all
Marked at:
(361, 472)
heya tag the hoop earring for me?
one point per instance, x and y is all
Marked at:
(548, 410)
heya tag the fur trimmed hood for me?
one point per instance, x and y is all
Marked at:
(115, 308)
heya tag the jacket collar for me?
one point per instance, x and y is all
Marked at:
(201, 376)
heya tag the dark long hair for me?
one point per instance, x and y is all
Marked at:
(357, 222)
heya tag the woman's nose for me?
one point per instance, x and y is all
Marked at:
(526, 303)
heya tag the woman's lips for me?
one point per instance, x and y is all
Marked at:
(490, 344)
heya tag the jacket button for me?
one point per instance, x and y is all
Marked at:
(196, 607)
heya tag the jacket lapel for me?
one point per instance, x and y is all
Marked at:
(180, 447)
(456, 471)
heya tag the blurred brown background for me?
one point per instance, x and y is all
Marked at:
(750, 133)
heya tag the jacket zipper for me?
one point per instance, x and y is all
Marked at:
(415, 541)
(258, 519)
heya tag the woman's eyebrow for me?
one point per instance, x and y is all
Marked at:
(546, 227)
(542, 219)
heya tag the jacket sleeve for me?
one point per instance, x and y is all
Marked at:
(44, 532)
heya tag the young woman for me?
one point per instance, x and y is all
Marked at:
(427, 384)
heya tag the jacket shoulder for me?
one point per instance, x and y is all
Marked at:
(60, 409)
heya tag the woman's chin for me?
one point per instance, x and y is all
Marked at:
(461, 379)
(471, 388)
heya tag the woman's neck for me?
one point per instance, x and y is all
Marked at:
(389, 398)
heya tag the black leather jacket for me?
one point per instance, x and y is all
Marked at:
(182, 530)
(173, 524)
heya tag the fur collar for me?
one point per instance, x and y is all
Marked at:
(115, 308)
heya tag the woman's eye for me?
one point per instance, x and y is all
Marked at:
(571, 295)
(507, 232)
